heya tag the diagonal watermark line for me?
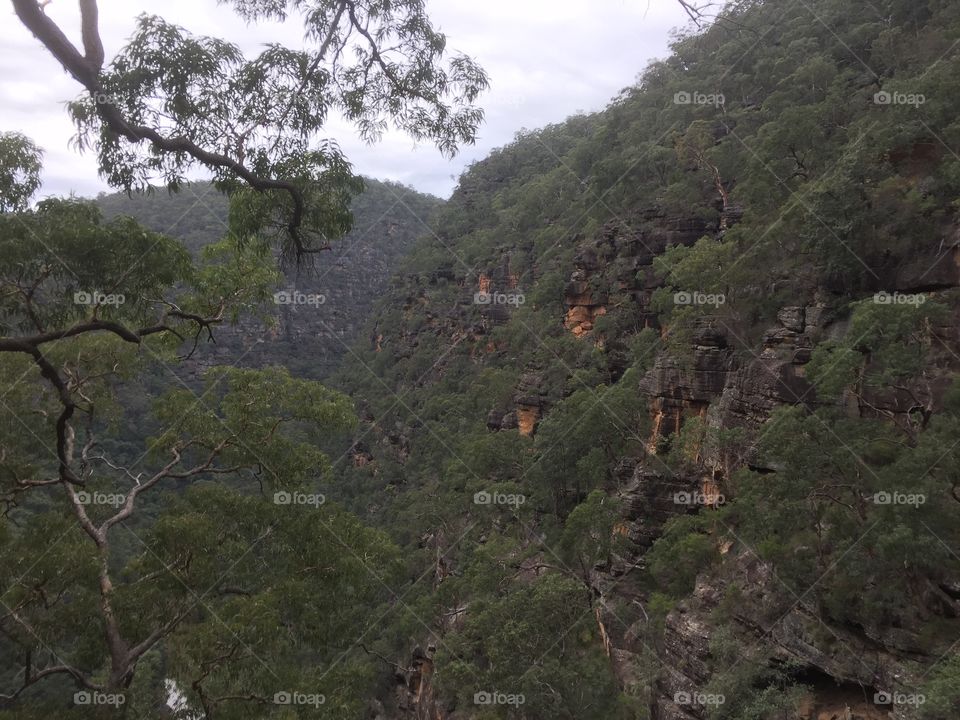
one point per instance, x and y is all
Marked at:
(199, 399)
(950, 649)
(625, 426)
(37, 560)
(29, 628)
(446, 447)
(469, 469)
(363, 562)
(795, 198)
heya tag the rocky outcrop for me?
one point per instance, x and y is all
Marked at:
(848, 670)
(679, 389)
(652, 495)
(617, 267)
(731, 377)
(584, 307)
(414, 695)
(843, 667)
(530, 403)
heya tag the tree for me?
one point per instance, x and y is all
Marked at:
(534, 650)
(170, 101)
(19, 171)
(889, 346)
(100, 571)
(694, 147)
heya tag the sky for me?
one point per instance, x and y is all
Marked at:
(547, 59)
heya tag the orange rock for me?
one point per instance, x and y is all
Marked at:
(580, 318)
(527, 417)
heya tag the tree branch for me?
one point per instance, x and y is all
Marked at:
(30, 677)
(85, 71)
(92, 45)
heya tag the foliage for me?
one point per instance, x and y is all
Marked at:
(19, 171)
(185, 549)
(537, 642)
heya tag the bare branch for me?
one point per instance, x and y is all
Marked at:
(92, 45)
(32, 677)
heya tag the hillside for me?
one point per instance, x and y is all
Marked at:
(664, 412)
(656, 418)
(309, 338)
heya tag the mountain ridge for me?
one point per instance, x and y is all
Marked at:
(337, 289)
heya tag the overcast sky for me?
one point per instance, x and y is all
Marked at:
(547, 59)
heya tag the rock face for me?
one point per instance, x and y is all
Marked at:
(677, 392)
(618, 265)
(651, 495)
(414, 690)
(529, 402)
(845, 670)
(728, 385)
(732, 386)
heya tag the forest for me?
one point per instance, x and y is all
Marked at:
(656, 417)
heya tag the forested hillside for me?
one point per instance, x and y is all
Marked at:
(337, 288)
(665, 413)
(657, 418)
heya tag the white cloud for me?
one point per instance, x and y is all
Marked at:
(546, 59)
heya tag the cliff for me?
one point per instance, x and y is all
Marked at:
(713, 347)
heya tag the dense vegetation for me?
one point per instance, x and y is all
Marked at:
(810, 191)
(163, 543)
(452, 526)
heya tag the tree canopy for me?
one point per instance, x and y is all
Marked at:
(170, 101)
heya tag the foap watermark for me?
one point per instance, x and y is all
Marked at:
(295, 297)
(698, 498)
(695, 297)
(95, 697)
(698, 698)
(95, 297)
(899, 498)
(498, 498)
(498, 698)
(101, 498)
(898, 298)
(298, 498)
(897, 698)
(101, 98)
(698, 98)
(498, 298)
(293, 697)
(885, 97)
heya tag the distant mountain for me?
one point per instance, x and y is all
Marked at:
(309, 338)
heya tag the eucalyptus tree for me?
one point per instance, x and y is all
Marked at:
(180, 533)
(159, 541)
(170, 101)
